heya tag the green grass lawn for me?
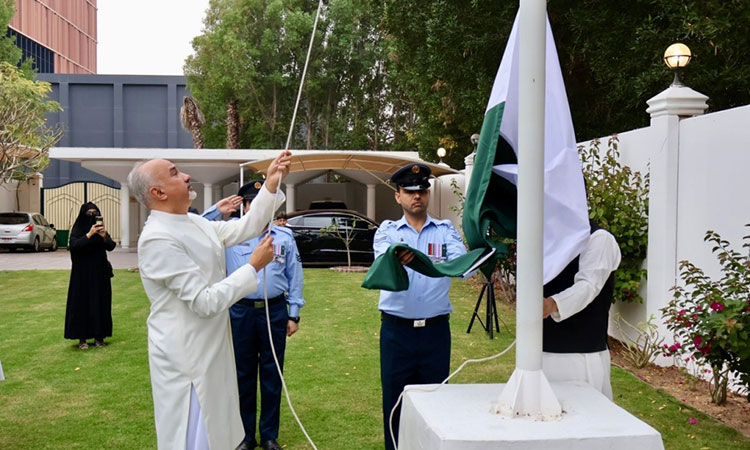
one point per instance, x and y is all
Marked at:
(56, 396)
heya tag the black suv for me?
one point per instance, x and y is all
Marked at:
(319, 249)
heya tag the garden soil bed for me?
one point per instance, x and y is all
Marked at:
(694, 392)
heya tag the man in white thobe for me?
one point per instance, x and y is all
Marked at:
(576, 315)
(182, 267)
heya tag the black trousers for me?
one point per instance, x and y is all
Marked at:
(252, 354)
(410, 355)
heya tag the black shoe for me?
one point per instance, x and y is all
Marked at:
(247, 445)
(270, 445)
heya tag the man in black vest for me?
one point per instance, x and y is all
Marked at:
(576, 315)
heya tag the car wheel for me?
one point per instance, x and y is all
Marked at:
(53, 248)
(36, 245)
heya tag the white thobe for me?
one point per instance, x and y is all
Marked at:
(599, 258)
(182, 266)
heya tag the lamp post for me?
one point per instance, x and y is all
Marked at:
(676, 57)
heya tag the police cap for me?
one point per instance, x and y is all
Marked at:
(414, 177)
(250, 190)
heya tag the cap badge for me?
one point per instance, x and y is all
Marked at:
(415, 168)
(257, 185)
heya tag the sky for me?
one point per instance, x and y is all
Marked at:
(147, 37)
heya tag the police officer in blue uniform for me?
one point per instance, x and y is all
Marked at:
(252, 348)
(415, 340)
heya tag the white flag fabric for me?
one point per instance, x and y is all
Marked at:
(566, 223)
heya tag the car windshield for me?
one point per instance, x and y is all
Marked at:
(13, 219)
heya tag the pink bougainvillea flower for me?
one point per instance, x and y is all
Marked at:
(716, 306)
(697, 341)
(693, 421)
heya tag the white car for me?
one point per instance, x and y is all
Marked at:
(26, 230)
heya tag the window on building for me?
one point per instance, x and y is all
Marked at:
(43, 58)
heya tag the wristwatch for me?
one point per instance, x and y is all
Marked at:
(294, 319)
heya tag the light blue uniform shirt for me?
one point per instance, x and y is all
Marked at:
(282, 277)
(426, 297)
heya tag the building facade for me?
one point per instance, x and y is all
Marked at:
(114, 111)
(59, 34)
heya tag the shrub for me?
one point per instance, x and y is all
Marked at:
(711, 318)
(618, 202)
(645, 347)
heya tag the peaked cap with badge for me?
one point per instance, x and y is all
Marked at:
(413, 177)
(250, 190)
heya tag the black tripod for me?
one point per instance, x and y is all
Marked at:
(491, 313)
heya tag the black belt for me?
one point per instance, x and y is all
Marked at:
(416, 323)
(252, 303)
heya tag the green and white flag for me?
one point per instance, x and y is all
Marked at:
(492, 196)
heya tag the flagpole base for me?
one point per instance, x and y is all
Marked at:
(528, 394)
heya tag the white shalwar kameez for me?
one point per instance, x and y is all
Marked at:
(183, 269)
(597, 261)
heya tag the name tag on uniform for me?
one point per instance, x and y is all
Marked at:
(279, 253)
(437, 252)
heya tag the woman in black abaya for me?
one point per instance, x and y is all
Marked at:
(89, 310)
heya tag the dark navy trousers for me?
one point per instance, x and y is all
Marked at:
(252, 354)
(410, 355)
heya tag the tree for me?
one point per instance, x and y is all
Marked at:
(25, 139)
(249, 61)
(446, 55)
(192, 120)
(345, 231)
(9, 52)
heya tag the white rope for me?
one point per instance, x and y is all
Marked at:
(304, 72)
(393, 411)
(270, 228)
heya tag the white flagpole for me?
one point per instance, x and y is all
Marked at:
(531, 58)
(528, 393)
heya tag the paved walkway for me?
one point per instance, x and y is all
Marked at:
(60, 260)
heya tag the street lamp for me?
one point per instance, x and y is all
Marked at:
(676, 57)
(441, 154)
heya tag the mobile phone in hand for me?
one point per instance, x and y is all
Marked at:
(99, 220)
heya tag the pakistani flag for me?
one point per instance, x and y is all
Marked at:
(492, 196)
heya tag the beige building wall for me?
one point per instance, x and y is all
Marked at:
(67, 27)
(23, 196)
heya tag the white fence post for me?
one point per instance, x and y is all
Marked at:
(666, 110)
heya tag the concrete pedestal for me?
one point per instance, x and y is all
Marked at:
(459, 417)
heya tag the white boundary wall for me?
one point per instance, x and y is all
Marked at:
(699, 181)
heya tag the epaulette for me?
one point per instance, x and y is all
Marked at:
(284, 230)
(387, 224)
(446, 222)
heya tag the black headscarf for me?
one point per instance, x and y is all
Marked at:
(84, 222)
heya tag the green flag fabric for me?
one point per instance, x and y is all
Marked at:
(490, 205)
(490, 209)
(388, 274)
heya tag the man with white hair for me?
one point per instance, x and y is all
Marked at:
(183, 270)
